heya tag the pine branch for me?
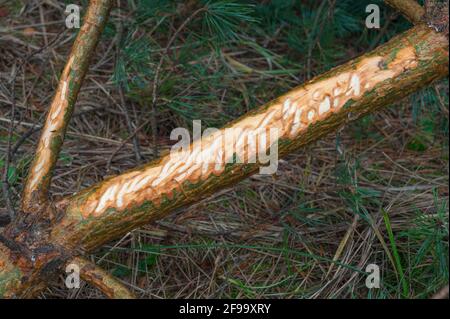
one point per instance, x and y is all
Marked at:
(35, 194)
(305, 114)
(409, 8)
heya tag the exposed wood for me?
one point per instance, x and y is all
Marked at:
(35, 192)
(4, 218)
(441, 294)
(305, 114)
(102, 280)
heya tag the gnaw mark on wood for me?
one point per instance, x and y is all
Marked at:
(290, 115)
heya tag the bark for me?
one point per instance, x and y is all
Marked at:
(35, 194)
(110, 209)
(10, 273)
(31, 251)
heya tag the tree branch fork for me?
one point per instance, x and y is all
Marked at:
(48, 235)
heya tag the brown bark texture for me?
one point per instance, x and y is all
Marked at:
(409, 8)
(33, 249)
(35, 192)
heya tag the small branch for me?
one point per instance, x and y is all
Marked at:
(409, 8)
(156, 78)
(35, 194)
(101, 279)
(4, 218)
